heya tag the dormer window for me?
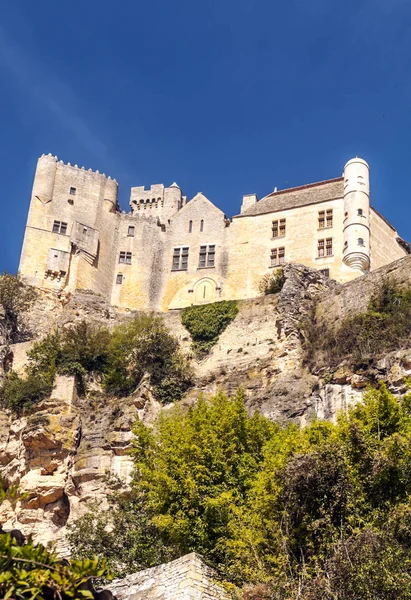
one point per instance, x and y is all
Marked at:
(73, 191)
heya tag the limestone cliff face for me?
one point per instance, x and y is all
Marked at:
(62, 454)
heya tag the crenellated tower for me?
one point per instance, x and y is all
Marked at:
(159, 201)
(71, 225)
(356, 250)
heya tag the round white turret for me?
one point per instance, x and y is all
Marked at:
(43, 184)
(356, 251)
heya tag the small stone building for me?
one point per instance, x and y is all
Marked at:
(186, 578)
(167, 252)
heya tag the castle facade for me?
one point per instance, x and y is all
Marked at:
(167, 252)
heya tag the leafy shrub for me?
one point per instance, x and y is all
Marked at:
(205, 323)
(19, 394)
(15, 298)
(144, 345)
(272, 283)
(316, 513)
(121, 358)
(385, 326)
(30, 571)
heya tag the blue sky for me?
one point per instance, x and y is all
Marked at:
(225, 97)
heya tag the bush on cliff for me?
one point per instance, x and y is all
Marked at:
(272, 283)
(319, 512)
(15, 299)
(385, 326)
(120, 358)
(205, 323)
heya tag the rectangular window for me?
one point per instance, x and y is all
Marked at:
(125, 257)
(329, 217)
(278, 228)
(329, 247)
(321, 248)
(207, 256)
(325, 218)
(60, 227)
(325, 272)
(130, 231)
(180, 259)
(119, 279)
(73, 191)
(277, 256)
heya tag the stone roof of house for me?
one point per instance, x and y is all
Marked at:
(297, 196)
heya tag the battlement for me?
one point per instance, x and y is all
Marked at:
(55, 159)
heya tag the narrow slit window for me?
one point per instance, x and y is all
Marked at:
(202, 225)
(130, 232)
(190, 227)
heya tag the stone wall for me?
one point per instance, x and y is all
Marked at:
(186, 578)
(163, 220)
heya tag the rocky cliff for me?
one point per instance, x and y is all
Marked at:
(61, 455)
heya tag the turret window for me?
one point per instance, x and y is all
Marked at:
(130, 232)
(73, 191)
(207, 256)
(277, 256)
(360, 212)
(125, 257)
(325, 247)
(325, 218)
(278, 228)
(360, 242)
(180, 259)
(60, 227)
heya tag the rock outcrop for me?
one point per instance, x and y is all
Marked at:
(62, 454)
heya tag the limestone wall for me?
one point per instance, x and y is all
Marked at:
(384, 246)
(162, 220)
(186, 578)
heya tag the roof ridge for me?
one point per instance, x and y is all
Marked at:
(302, 187)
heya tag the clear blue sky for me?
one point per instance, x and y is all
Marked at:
(226, 97)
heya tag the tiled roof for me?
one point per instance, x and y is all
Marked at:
(298, 196)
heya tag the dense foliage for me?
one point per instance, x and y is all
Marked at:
(272, 283)
(321, 512)
(15, 298)
(206, 322)
(385, 326)
(119, 358)
(29, 571)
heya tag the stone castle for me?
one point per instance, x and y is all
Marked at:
(168, 252)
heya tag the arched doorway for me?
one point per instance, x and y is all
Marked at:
(204, 291)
